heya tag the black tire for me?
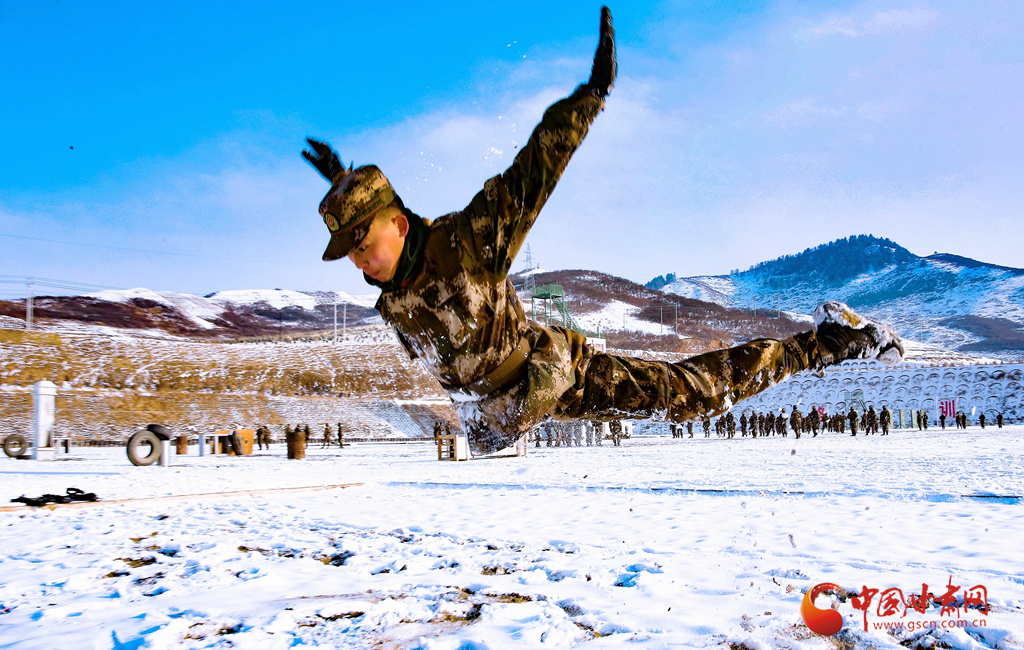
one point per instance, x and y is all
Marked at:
(236, 444)
(134, 448)
(15, 445)
(160, 430)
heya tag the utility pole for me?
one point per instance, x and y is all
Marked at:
(677, 319)
(28, 304)
(344, 322)
(335, 319)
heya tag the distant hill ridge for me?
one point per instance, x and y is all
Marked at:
(835, 262)
(943, 299)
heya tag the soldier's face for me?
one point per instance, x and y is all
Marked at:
(378, 253)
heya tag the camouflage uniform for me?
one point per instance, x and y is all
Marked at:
(453, 306)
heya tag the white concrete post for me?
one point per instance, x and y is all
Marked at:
(165, 453)
(43, 397)
(202, 444)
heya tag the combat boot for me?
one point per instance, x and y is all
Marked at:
(843, 334)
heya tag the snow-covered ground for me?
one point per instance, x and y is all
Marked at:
(658, 543)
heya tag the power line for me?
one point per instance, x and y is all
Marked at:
(32, 281)
(140, 250)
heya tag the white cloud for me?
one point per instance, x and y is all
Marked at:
(881, 22)
(896, 19)
(802, 110)
(834, 26)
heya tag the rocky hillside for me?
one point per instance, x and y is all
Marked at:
(226, 314)
(944, 300)
(112, 382)
(633, 317)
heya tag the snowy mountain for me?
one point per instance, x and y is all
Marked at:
(246, 313)
(945, 300)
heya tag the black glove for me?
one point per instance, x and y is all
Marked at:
(602, 74)
(325, 160)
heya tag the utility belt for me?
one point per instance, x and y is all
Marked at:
(504, 373)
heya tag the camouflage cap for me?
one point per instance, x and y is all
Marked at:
(355, 196)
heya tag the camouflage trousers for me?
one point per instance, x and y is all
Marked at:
(566, 380)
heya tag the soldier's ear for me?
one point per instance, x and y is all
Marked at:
(403, 224)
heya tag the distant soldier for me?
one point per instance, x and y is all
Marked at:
(615, 431)
(598, 432)
(743, 425)
(981, 419)
(942, 420)
(814, 419)
(328, 436)
(872, 419)
(689, 428)
(924, 420)
(305, 432)
(577, 433)
(780, 424)
(769, 423)
(885, 419)
(854, 420)
(730, 424)
(999, 420)
(437, 430)
(706, 425)
(796, 421)
(341, 437)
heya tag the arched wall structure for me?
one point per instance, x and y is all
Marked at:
(989, 389)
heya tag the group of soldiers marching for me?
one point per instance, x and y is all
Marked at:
(962, 421)
(578, 432)
(760, 424)
(331, 435)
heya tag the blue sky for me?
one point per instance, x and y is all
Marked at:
(158, 146)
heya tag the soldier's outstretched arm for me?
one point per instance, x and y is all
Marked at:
(502, 214)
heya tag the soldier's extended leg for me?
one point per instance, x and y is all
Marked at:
(712, 383)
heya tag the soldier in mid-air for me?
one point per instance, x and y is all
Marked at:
(445, 291)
